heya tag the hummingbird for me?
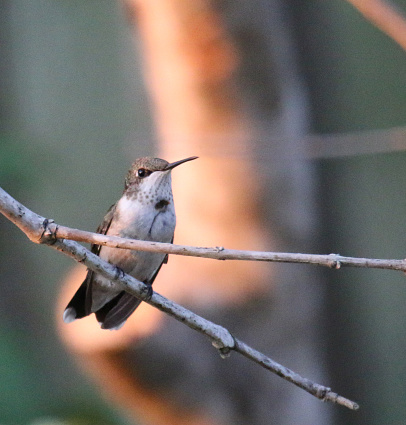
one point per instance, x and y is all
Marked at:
(146, 212)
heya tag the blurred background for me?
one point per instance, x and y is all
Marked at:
(76, 110)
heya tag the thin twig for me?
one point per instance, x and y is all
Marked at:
(317, 390)
(41, 230)
(334, 261)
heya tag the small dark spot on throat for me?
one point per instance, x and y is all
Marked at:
(161, 204)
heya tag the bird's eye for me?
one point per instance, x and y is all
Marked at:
(142, 172)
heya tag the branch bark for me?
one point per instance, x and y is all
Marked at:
(333, 261)
(25, 219)
(43, 231)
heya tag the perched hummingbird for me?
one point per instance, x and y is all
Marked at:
(145, 212)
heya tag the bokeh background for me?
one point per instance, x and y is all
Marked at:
(74, 112)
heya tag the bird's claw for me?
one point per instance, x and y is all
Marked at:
(119, 273)
(147, 292)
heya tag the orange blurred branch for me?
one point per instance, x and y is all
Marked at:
(384, 15)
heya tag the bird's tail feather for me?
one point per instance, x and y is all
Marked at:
(111, 315)
(114, 314)
(80, 304)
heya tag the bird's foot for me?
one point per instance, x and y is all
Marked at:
(119, 273)
(147, 292)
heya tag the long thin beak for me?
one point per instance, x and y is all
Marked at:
(175, 164)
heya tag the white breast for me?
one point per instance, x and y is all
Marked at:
(141, 220)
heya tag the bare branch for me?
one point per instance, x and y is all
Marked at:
(334, 261)
(41, 230)
(317, 390)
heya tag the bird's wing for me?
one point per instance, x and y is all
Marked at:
(113, 314)
(164, 261)
(81, 303)
(104, 227)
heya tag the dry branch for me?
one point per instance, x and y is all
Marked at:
(43, 231)
(334, 261)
